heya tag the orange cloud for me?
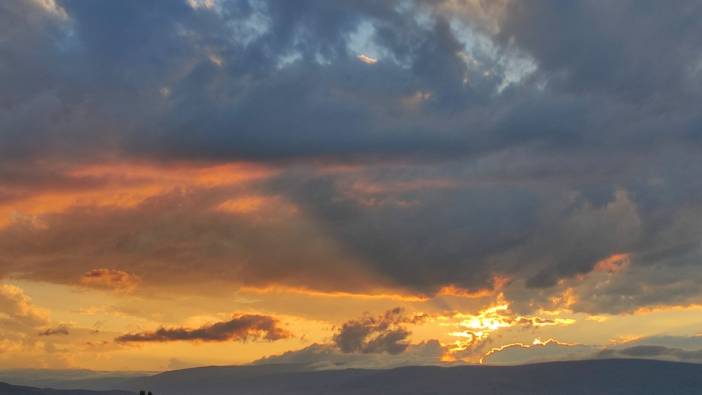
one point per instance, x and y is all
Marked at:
(565, 299)
(379, 294)
(251, 204)
(110, 279)
(179, 173)
(614, 263)
(59, 330)
(122, 184)
(665, 308)
(17, 310)
(499, 282)
(243, 205)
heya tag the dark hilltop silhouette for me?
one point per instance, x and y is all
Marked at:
(7, 389)
(592, 377)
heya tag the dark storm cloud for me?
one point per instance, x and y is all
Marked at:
(240, 328)
(568, 132)
(426, 237)
(407, 237)
(649, 56)
(177, 82)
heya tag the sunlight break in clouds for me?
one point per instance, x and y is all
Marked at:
(367, 59)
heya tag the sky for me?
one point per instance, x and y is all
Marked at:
(352, 183)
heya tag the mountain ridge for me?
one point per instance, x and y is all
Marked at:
(604, 376)
(598, 376)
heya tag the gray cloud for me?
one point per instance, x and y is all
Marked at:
(674, 348)
(653, 352)
(594, 52)
(328, 356)
(372, 335)
(240, 328)
(299, 63)
(689, 343)
(59, 330)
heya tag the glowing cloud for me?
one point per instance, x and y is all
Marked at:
(366, 59)
(476, 329)
(614, 263)
(537, 350)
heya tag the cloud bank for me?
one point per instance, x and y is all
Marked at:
(473, 145)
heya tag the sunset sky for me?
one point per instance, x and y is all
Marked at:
(352, 183)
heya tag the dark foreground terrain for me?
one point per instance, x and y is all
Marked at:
(7, 389)
(578, 377)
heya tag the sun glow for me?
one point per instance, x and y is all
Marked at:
(474, 330)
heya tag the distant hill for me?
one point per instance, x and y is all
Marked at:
(7, 389)
(593, 377)
(622, 377)
(68, 378)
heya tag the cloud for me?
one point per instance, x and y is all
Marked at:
(162, 237)
(59, 330)
(368, 342)
(581, 65)
(562, 152)
(672, 348)
(681, 342)
(337, 230)
(381, 334)
(538, 351)
(367, 59)
(506, 86)
(653, 352)
(240, 328)
(112, 279)
(18, 311)
(480, 78)
(328, 356)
